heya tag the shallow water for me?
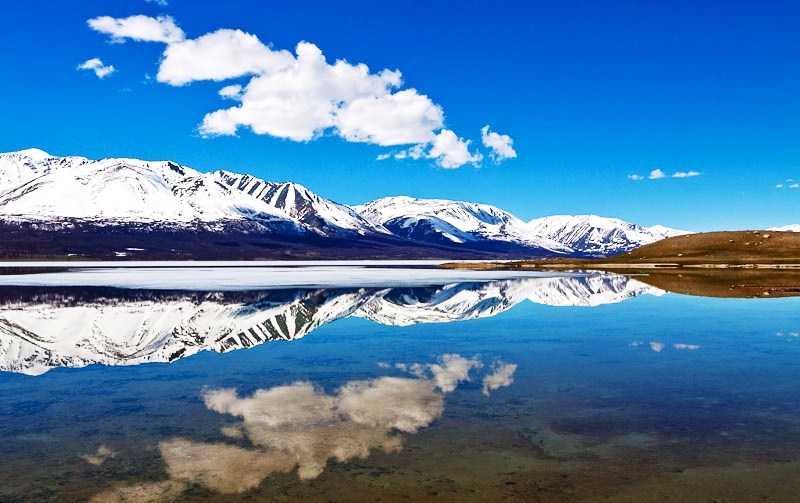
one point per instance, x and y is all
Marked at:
(535, 389)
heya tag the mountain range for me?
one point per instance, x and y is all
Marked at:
(74, 206)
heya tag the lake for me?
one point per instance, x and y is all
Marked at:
(390, 383)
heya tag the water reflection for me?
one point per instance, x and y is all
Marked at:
(44, 328)
(301, 426)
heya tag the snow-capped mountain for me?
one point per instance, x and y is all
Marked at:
(125, 203)
(599, 236)
(123, 191)
(444, 221)
(75, 328)
(787, 228)
(17, 168)
(301, 204)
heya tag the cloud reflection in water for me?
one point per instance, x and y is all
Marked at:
(301, 426)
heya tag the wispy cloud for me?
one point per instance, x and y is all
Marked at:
(300, 96)
(140, 28)
(162, 3)
(97, 66)
(658, 174)
(789, 183)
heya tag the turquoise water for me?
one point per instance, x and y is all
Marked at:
(654, 397)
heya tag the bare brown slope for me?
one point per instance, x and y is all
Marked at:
(707, 249)
(727, 247)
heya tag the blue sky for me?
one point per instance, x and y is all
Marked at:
(590, 93)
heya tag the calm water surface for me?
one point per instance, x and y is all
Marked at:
(594, 388)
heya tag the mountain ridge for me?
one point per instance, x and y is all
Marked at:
(149, 204)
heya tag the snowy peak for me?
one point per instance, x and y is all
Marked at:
(319, 213)
(787, 228)
(64, 192)
(444, 221)
(127, 191)
(599, 236)
(17, 168)
(31, 153)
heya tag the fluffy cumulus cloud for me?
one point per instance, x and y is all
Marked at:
(451, 151)
(658, 174)
(501, 145)
(217, 56)
(97, 66)
(300, 95)
(140, 28)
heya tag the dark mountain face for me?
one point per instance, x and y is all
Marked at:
(81, 240)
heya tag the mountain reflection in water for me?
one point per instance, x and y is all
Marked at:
(44, 328)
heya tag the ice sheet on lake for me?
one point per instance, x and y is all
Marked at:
(256, 278)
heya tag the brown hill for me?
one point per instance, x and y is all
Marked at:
(727, 247)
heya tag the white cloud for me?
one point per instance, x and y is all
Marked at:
(685, 174)
(393, 119)
(162, 3)
(794, 186)
(501, 145)
(450, 151)
(447, 149)
(302, 100)
(658, 174)
(98, 67)
(232, 92)
(502, 377)
(301, 96)
(779, 186)
(690, 347)
(384, 156)
(657, 346)
(140, 28)
(219, 55)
